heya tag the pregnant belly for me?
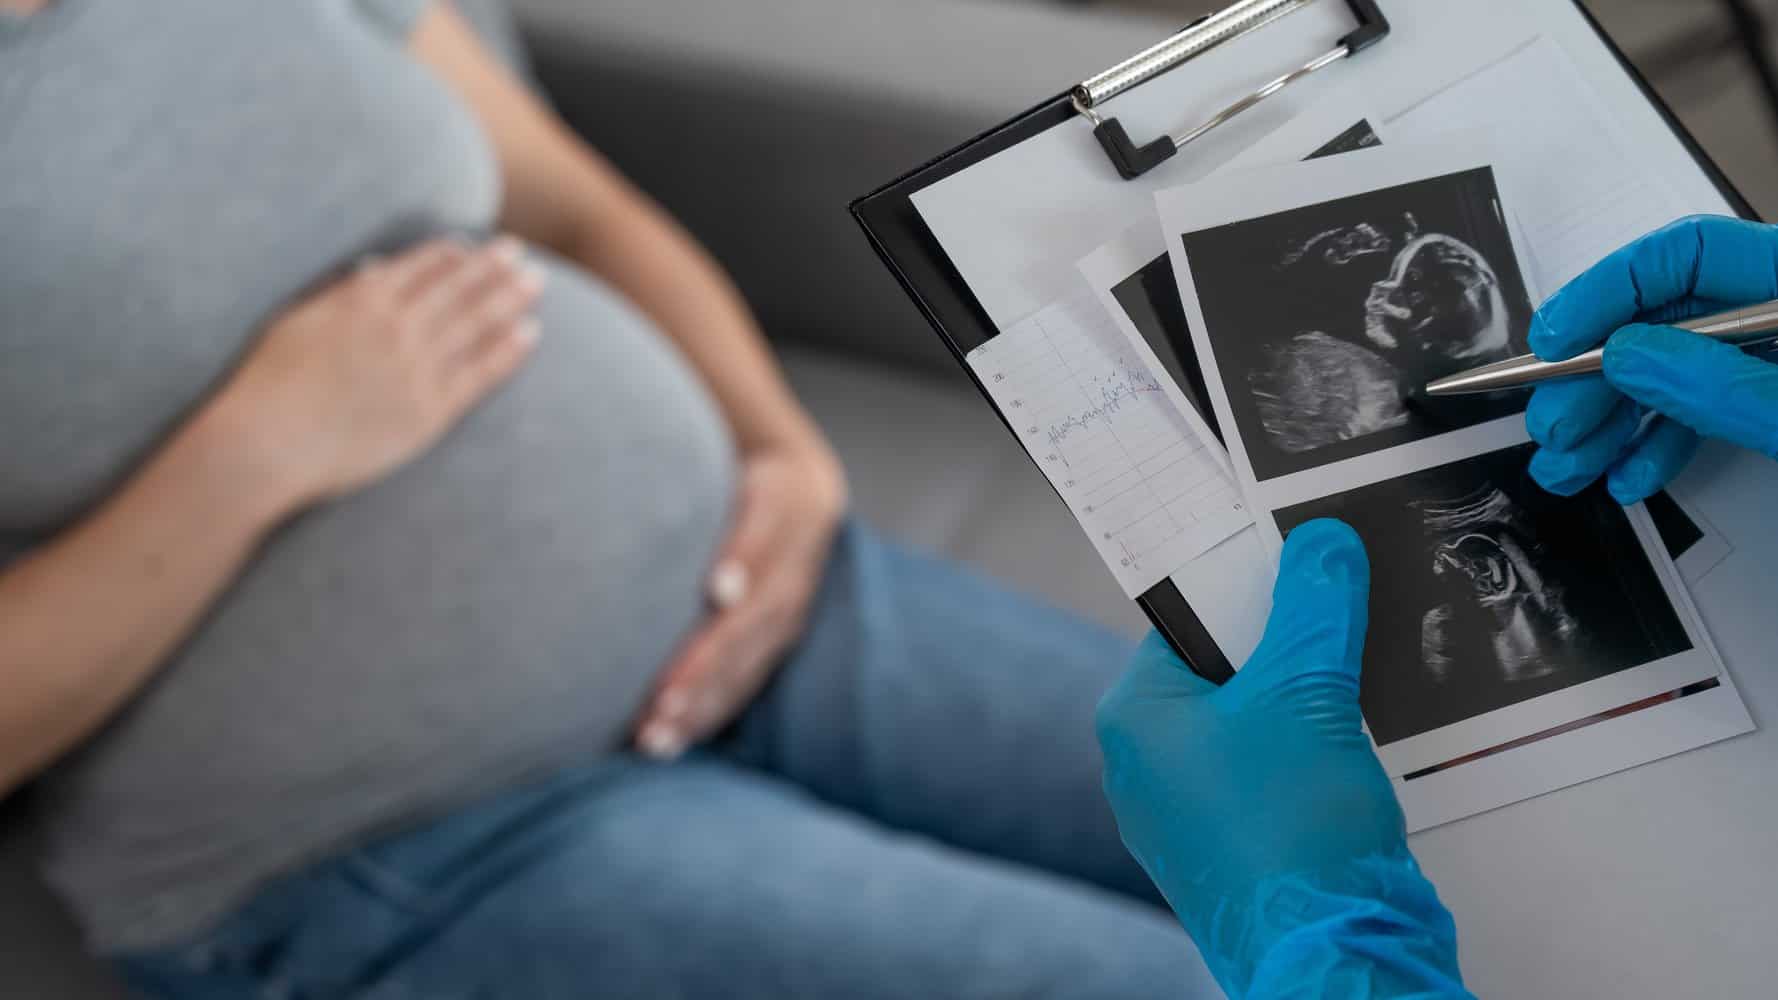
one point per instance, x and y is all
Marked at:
(500, 602)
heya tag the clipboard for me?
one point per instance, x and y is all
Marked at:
(914, 256)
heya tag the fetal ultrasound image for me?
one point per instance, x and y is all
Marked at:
(1325, 317)
(1150, 298)
(1487, 591)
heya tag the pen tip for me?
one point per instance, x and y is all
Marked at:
(1440, 409)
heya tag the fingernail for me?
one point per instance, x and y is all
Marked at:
(662, 742)
(728, 584)
(673, 702)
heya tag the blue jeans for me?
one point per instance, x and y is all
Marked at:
(912, 809)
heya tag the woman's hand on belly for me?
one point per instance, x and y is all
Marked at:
(791, 500)
(364, 375)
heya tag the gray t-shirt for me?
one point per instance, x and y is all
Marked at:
(175, 172)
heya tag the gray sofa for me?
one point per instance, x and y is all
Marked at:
(757, 122)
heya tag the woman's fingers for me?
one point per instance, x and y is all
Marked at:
(727, 662)
(490, 361)
(494, 307)
(438, 308)
(665, 728)
(764, 626)
(739, 566)
(410, 274)
(463, 313)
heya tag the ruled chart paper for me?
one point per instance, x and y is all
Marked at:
(1094, 418)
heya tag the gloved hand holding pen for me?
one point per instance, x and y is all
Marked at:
(1593, 426)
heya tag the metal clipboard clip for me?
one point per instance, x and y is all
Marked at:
(1202, 35)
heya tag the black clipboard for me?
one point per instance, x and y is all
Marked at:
(913, 254)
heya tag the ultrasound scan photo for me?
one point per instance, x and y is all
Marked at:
(1487, 591)
(1150, 298)
(1325, 318)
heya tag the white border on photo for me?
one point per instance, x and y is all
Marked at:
(1570, 758)
(1231, 198)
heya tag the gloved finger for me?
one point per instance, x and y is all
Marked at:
(1687, 308)
(1707, 257)
(1567, 471)
(1156, 670)
(1563, 412)
(1653, 461)
(1320, 606)
(1151, 690)
(1714, 388)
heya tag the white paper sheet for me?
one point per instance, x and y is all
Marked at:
(1094, 417)
(1581, 193)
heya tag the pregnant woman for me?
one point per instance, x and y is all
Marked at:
(350, 549)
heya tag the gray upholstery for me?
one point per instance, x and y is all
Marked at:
(757, 122)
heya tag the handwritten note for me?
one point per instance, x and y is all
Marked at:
(1095, 419)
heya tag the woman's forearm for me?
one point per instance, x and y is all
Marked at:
(560, 193)
(86, 618)
(642, 251)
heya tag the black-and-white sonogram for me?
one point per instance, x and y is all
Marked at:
(1326, 318)
(1486, 591)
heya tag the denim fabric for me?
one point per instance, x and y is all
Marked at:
(912, 809)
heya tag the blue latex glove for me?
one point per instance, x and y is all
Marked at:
(1592, 426)
(1260, 809)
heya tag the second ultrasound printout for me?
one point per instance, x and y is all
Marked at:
(1319, 295)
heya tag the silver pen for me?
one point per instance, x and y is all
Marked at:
(1742, 327)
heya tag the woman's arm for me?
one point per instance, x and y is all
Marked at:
(84, 620)
(348, 385)
(562, 194)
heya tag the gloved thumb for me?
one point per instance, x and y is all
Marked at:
(1714, 388)
(1320, 606)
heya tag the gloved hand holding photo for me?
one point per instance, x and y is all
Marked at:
(1260, 809)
